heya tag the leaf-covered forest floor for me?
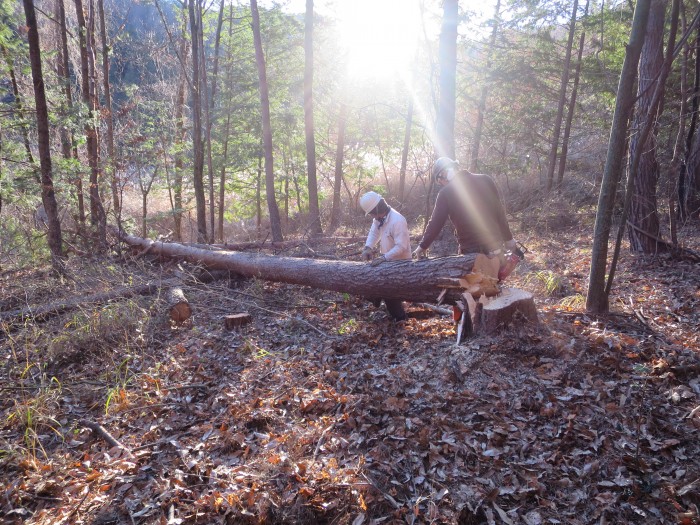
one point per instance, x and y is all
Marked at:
(324, 411)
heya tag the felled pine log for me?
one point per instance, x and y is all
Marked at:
(418, 281)
(178, 306)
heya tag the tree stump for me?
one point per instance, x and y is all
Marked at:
(178, 305)
(236, 320)
(504, 309)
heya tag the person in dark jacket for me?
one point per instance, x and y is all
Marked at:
(473, 204)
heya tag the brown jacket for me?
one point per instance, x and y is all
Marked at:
(473, 203)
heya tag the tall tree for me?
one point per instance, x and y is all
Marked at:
(69, 146)
(572, 102)
(481, 108)
(444, 142)
(195, 13)
(48, 196)
(309, 130)
(554, 146)
(107, 93)
(336, 212)
(89, 97)
(273, 210)
(597, 300)
(644, 217)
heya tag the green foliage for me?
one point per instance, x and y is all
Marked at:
(549, 281)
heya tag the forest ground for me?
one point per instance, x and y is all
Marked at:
(324, 411)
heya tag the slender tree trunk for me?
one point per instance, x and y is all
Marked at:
(19, 107)
(445, 125)
(481, 109)
(195, 11)
(68, 143)
(180, 135)
(562, 99)
(644, 215)
(258, 195)
(89, 96)
(336, 211)
(48, 196)
(314, 212)
(273, 210)
(111, 159)
(692, 144)
(572, 102)
(405, 150)
(597, 300)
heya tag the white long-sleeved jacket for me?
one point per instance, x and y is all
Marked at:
(393, 238)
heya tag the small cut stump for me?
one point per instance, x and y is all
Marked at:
(178, 306)
(504, 310)
(489, 316)
(235, 320)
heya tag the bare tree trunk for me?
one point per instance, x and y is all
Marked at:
(336, 212)
(644, 215)
(111, 159)
(195, 11)
(562, 99)
(273, 210)
(68, 143)
(89, 96)
(180, 134)
(258, 195)
(445, 125)
(692, 154)
(481, 109)
(48, 196)
(314, 212)
(19, 107)
(597, 300)
(572, 103)
(404, 151)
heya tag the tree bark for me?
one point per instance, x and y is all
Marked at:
(68, 142)
(195, 11)
(48, 196)
(111, 160)
(554, 146)
(336, 212)
(481, 109)
(644, 209)
(445, 124)
(404, 151)
(309, 129)
(89, 96)
(419, 281)
(572, 102)
(597, 300)
(273, 210)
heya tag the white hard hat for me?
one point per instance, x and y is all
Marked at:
(369, 201)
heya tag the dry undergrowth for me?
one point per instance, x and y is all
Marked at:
(323, 411)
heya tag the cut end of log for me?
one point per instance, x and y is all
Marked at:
(235, 320)
(180, 309)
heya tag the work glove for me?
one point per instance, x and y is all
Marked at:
(420, 253)
(378, 261)
(367, 253)
(511, 245)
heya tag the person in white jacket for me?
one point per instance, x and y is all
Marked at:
(390, 230)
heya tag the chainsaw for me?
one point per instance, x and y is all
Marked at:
(510, 260)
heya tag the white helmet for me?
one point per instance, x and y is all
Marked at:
(369, 201)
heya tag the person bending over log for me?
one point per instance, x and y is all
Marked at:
(390, 230)
(473, 204)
